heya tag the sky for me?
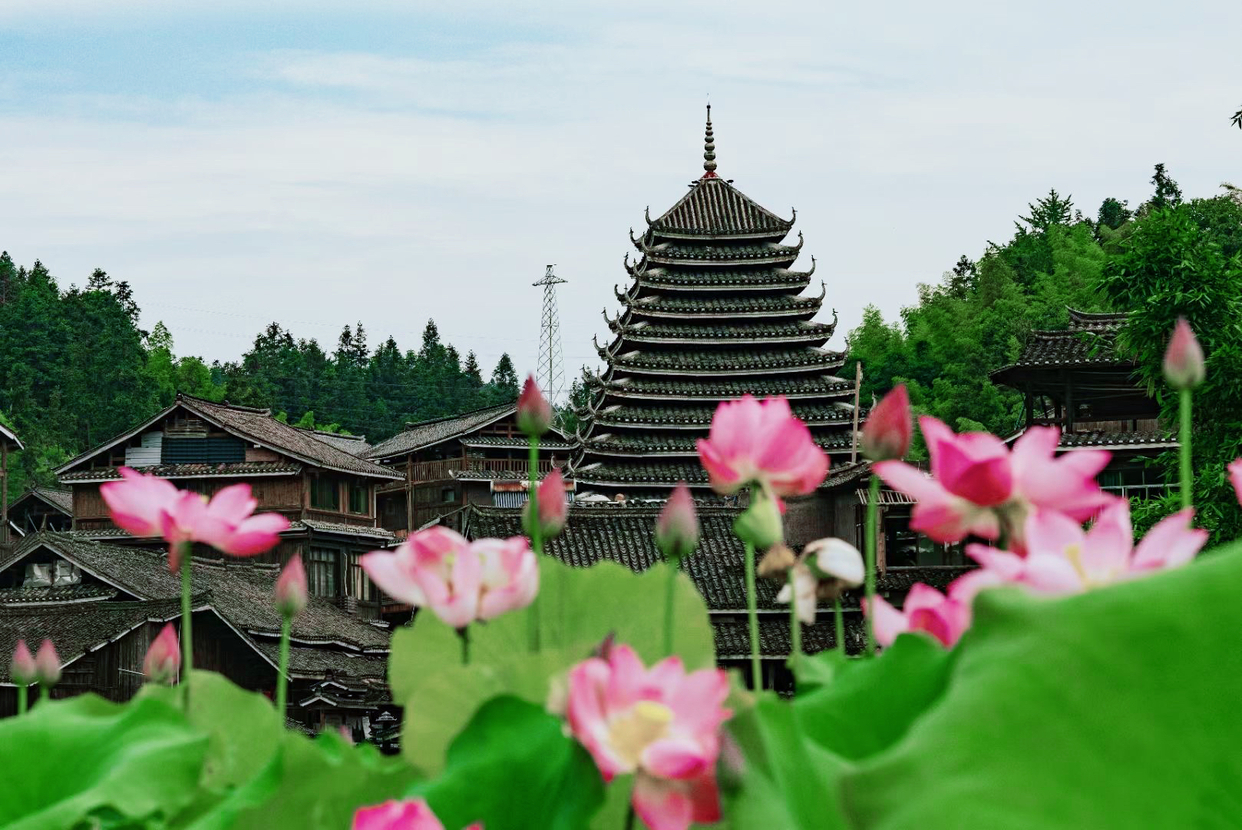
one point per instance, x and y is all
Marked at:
(320, 164)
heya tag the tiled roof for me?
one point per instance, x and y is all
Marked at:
(426, 433)
(318, 662)
(1065, 348)
(713, 207)
(255, 425)
(235, 469)
(775, 305)
(77, 628)
(517, 443)
(767, 279)
(657, 475)
(1118, 439)
(701, 416)
(7, 436)
(766, 252)
(240, 590)
(260, 426)
(730, 362)
(656, 443)
(343, 529)
(352, 444)
(1096, 320)
(486, 474)
(60, 499)
(55, 594)
(796, 331)
(724, 388)
(733, 637)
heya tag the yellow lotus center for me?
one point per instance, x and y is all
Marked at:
(642, 724)
(1074, 554)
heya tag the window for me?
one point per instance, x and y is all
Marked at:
(360, 586)
(321, 572)
(325, 494)
(359, 498)
(448, 494)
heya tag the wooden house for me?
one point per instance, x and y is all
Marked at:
(327, 493)
(479, 457)
(102, 604)
(41, 508)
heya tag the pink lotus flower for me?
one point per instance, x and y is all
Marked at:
(534, 413)
(552, 506)
(138, 502)
(888, 430)
(753, 442)
(22, 670)
(47, 665)
(977, 482)
(677, 528)
(1183, 360)
(944, 617)
(414, 814)
(291, 592)
(457, 580)
(1062, 558)
(163, 660)
(1235, 477)
(147, 505)
(661, 724)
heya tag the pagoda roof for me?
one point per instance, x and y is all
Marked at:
(715, 208)
(783, 332)
(697, 308)
(683, 445)
(658, 278)
(722, 362)
(750, 254)
(661, 475)
(822, 386)
(700, 417)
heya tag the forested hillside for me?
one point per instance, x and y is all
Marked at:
(76, 369)
(1166, 257)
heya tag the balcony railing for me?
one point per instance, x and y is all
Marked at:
(443, 470)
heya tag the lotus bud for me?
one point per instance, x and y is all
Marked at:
(887, 432)
(1183, 360)
(677, 529)
(551, 506)
(760, 524)
(291, 593)
(163, 660)
(534, 413)
(47, 665)
(22, 669)
(836, 564)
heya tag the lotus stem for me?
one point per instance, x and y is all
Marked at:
(870, 543)
(795, 629)
(536, 544)
(840, 623)
(464, 634)
(45, 692)
(752, 611)
(670, 594)
(187, 612)
(282, 677)
(1187, 484)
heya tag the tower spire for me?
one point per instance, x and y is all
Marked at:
(709, 148)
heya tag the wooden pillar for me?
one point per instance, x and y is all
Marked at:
(857, 390)
(1069, 406)
(1030, 405)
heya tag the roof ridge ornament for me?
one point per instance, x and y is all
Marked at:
(709, 148)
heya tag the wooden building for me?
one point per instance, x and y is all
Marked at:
(8, 443)
(102, 605)
(41, 508)
(714, 310)
(447, 463)
(1075, 380)
(328, 494)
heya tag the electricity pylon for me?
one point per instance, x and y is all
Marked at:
(550, 374)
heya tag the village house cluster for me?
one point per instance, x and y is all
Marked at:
(714, 308)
